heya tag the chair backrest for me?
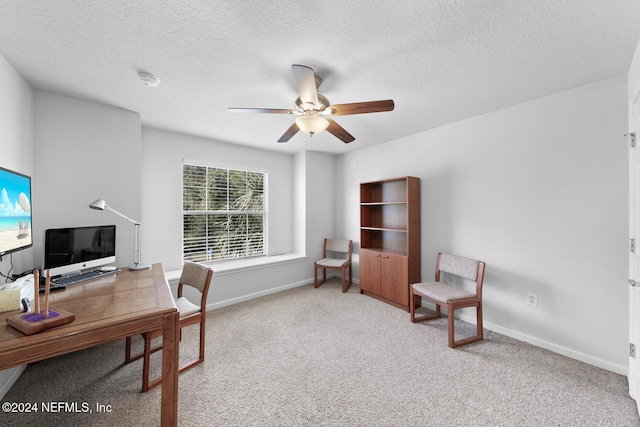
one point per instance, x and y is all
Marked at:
(196, 275)
(468, 268)
(335, 245)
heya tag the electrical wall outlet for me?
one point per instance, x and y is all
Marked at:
(532, 299)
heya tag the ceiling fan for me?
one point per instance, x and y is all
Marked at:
(312, 108)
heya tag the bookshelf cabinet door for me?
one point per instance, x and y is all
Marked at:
(370, 280)
(395, 278)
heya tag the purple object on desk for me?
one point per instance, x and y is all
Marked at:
(36, 317)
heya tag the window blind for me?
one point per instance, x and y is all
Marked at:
(223, 213)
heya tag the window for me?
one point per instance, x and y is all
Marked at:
(223, 213)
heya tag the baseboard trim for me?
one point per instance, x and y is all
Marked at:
(556, 348)
(254, 295)
(14, 374)
(248, 297)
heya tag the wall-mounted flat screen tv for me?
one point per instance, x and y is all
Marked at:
(15, 211)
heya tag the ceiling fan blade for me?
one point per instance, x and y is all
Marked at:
(339, 132)
(306, 84)
(261, 110)
(289, 133)
(361, 107)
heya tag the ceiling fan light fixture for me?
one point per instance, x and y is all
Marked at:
(312, 124)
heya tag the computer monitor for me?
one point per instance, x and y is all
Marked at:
(74, 249)
(15, 211)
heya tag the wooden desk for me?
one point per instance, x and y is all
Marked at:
(112, 307)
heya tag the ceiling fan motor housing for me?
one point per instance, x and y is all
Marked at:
(322, 101)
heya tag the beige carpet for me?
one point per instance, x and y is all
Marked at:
(318, 357)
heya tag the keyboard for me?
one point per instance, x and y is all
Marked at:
(80, 277)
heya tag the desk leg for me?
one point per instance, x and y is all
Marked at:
(170, 361)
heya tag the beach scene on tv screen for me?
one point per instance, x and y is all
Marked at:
(15, 211)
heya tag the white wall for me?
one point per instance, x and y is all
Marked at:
(299, 206)
(314, 200)
(85, 151)
(319, 201)
(633, 77)
(16, 142)
(16, 146)
(163, 154)
(539, 192)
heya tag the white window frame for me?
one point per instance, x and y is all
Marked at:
(207, 257)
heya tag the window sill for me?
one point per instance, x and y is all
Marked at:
(229, 267)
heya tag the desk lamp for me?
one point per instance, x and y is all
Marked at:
(101, 205)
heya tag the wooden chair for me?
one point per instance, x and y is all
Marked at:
(344, 247)
(197, 276)
(450, 297)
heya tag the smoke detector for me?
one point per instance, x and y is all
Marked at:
(149, 79)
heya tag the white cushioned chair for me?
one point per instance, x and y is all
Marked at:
(451, 297)
(341, 260)
(197, 276)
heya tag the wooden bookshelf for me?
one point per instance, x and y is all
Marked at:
(390, 239)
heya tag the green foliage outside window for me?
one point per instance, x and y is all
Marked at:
(223, 213)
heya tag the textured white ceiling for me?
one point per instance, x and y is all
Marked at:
(441, 61)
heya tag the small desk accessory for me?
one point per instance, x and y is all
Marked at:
(39, 320)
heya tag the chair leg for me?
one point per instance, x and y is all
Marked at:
(146, 363)
(148, 385)
(127, 351)
(346, 286)
(315, 276)
(479, 330)
(200, 358)
(202, 332)
(479, 321)
(412, 310)
(128, 358)
(452, 328)
(146, 356)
